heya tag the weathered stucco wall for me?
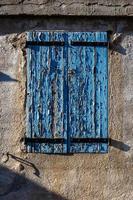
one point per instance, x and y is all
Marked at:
(67, 7)
(26, 176)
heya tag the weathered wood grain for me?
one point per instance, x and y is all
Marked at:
(88, 91)
(67, 91)
(46, 73)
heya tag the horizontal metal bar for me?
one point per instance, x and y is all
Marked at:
(89, 140)
(61, 43)
(44, 140)
(61, 140)
(83, 43)
(45, 43)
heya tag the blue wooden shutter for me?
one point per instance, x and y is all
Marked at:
(46, 89)
(67, 92)
(88, 97)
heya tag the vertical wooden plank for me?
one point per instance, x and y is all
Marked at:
(65, 94)
(34, 111)
(97, 90)
(37, 97)
(46, 95)
(36, 78)
(57, 91)
(102, 91)
(90, 87)
(73, 87)
(50, 99)
(61, 59)
(81, 91)
(90, 93)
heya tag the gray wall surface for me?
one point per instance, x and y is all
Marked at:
(67, 7)
(26, 176)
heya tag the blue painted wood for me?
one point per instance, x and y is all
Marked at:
(47, 66)
(67, 91)
(102, 91)
(87, 101)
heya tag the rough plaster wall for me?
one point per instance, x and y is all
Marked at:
(76, 177)
(67, 7)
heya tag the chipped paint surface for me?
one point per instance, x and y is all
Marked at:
(46, 92)
(67, 91)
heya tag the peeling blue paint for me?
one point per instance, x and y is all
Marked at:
(67, 92)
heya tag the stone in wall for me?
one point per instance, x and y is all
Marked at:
(59, 7)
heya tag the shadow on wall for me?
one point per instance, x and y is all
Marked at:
(67, 23)
(6, 78)
(119, 145)
(17, 186)
(11, 24)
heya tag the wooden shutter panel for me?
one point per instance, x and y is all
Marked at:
(67, 92)
(88, 87)
(46, 99)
